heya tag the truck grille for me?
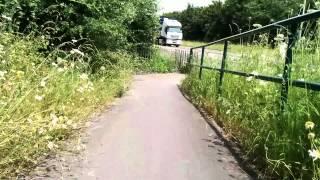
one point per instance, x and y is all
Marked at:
(175, 37)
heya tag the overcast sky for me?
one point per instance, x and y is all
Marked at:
(179, 5)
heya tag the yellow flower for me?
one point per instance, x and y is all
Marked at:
(309, 125)
(20, 74)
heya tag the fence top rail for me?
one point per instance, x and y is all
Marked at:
(293, 20)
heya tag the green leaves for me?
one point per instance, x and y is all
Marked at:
(111, 24)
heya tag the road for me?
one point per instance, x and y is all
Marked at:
(154, 133)
(209, 53)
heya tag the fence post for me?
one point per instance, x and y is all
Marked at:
(201, 63)
(189, 66)
(223, 65)
(287, 68)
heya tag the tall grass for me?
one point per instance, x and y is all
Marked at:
(249, 109)
(44, 99)
(158, 62)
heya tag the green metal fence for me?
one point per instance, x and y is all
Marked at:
(285, 80)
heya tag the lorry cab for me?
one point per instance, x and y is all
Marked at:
(170, 32)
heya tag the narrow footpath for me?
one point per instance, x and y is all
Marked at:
(154, 133)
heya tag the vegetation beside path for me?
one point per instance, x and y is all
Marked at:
(61, 61)
(285, 145)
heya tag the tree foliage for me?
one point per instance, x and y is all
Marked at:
(220, 19)
(108, 24)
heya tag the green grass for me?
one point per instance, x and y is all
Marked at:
(249, 109)
(235, 48)
(158, 63)
(45, 100)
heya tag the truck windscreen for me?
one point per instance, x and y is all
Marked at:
(177, 30)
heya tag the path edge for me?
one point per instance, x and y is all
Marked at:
(232, 146)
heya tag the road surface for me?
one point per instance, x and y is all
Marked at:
(154, 133)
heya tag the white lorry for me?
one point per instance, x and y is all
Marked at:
(170, 32)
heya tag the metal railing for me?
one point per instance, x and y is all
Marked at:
(285, 80)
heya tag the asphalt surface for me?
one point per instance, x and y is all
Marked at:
(154, 133)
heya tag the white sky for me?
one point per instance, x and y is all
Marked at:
(179, 5)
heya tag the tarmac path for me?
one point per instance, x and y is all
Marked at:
(154, 133)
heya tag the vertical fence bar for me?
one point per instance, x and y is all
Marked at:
(201, 63)
(189, 66)
(180, 53)
(223, 65)
(287, 68)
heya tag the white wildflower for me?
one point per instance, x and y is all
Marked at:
(84, 76)
(255, 73)
(43, 83)
(2, 75)
(61, 61)
(314, 154)
(51, 145)
(311, 10)
(41, 131)
(69, 122)
(280, 37)
(54, 119)
(90, 86)
(81, 89)
(77, 51)
(311, 136)
(6, 17)
(249, 78)
(257, 25)
(283, 50)
(29, 120)
(54, 65)
(61, 69)
(39, 97)
(103, 68)
(263, 83)
(2, 49)
(309, 125)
